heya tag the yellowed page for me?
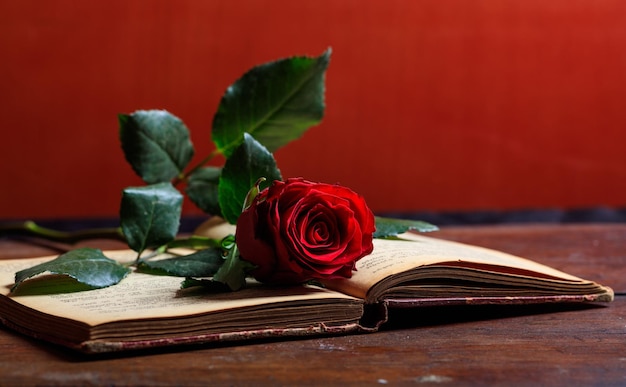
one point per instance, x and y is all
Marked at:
(147, 296)
(392, 257)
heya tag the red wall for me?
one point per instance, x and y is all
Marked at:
(431, 105)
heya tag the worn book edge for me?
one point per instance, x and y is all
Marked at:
(374, 314)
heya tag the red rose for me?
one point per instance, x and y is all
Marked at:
(298, 230)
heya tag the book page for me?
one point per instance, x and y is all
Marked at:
(392, 257)
(140, 296)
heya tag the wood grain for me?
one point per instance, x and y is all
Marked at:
(519, 345)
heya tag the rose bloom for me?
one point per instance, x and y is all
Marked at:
(298, 230)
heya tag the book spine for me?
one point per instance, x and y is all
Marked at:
(374, 315)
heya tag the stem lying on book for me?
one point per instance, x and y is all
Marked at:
(33, 229)
(194, 242)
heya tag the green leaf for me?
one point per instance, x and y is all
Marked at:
(207, 285)
(389, 227)
(156, 144)
(275, 102)
(202, 189)
(234, 271)
(248, 163)
(50, 284)
(88, 266)
(203, 263)
(150, 215)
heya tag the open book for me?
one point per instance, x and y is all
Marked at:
(149, 311)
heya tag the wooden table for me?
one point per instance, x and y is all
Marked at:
(514, 345)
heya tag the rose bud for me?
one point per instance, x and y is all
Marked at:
(297, 230)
